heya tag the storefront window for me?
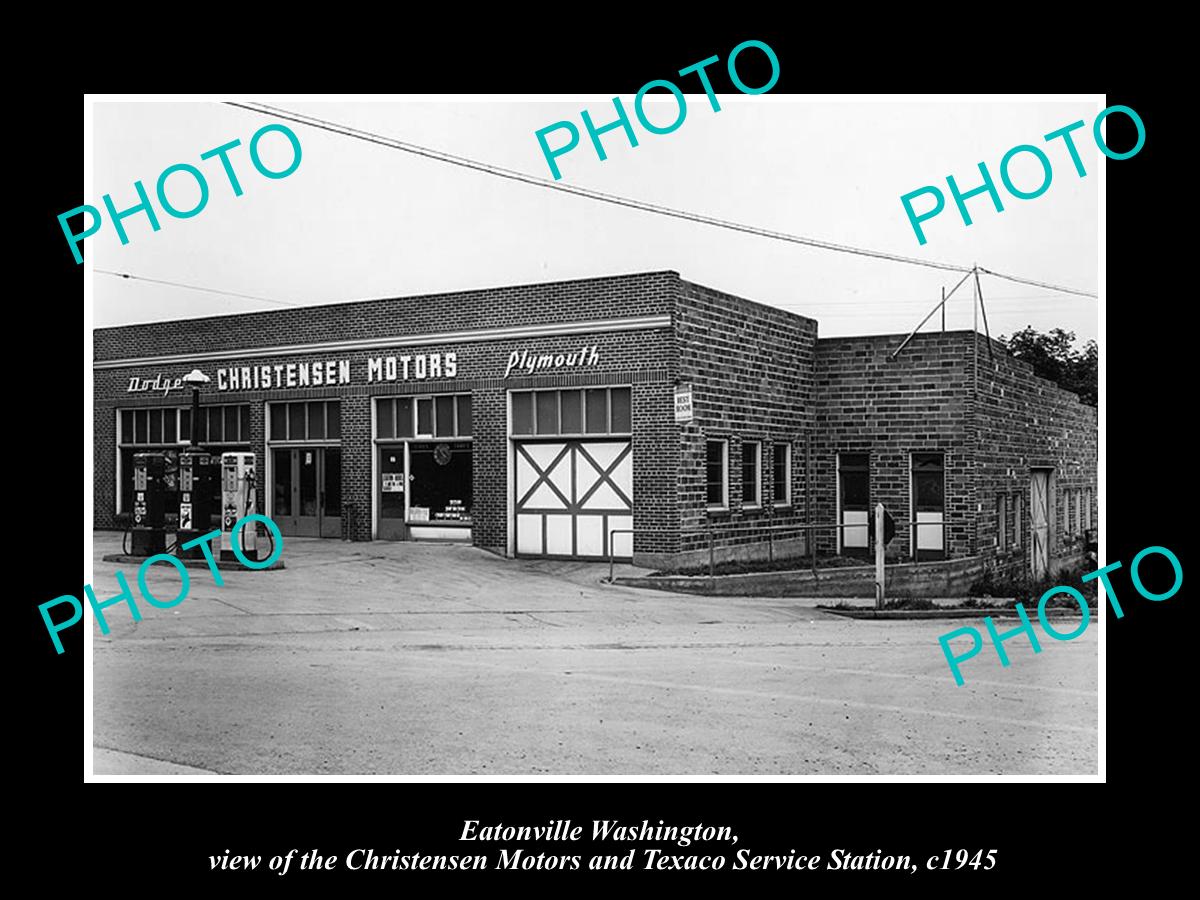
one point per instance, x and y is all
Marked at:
(440, 483)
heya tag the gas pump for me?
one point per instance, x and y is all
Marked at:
(149, 505)
(197, 481)
(239, 498)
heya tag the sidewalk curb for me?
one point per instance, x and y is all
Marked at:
(223, 565)
(950, 613)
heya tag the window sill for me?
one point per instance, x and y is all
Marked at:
(717, 509)
(787, 505)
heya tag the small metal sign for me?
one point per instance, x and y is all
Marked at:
(683, 404)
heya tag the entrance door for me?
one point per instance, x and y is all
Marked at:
(307, 494)
(1039, 521)
(570, 495)
(393, 487)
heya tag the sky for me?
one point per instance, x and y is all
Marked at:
(358, 220)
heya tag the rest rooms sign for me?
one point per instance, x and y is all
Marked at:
(683, 404)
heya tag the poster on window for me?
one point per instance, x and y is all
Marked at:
(393, 482)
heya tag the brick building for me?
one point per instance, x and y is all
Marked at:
(537, 420)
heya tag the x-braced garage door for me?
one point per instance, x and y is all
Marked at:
(571, 495)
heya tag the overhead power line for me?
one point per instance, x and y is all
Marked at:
(1042, 284)
(514, 175)
(192, 287)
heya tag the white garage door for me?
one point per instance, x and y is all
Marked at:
(570, 495)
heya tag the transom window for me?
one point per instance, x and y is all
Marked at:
(306, 420)
(442, 416)
(576, 411)
(219, 424)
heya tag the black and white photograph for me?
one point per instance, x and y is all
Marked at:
(708, 432)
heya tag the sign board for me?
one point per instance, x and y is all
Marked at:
(889, 527)
(683, 404)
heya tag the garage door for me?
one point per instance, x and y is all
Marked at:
(570, 495)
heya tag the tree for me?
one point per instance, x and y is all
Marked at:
(1054, 357)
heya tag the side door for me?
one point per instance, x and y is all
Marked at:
(1039, 521)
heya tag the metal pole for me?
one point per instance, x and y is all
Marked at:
(941, 305)
(943, 309)
(879, 564)
(975, 339)
(983, 309)
(195, 414)
(710, 556)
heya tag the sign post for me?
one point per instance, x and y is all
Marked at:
(880, 546)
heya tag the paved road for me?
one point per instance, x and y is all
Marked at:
(421, 659)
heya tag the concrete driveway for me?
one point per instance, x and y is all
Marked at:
(445, 660)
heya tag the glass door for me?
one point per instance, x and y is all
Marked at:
(307, 491)
(306, 464)
(282, 490)
(393, 489)
(331, 492)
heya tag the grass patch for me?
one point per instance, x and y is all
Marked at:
(993, 590)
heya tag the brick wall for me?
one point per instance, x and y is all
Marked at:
(642, 358)
(1026, 421)
(925, 400)
(868, 403)
(751, 371)
(611, 297)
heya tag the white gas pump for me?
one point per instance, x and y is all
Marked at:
(239, 498)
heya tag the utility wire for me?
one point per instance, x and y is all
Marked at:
(512, 174)
(1030, 281)
(192, 287)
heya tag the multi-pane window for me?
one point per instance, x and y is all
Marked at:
(442, 416)
(1066, 511)
(1079, 512)
(219, 424)
(1002, 521)
(312, 420)
(1018, 500)
(1087, 509)
(716, 474)
(222, 426)
(575, 411)
(781, 465)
